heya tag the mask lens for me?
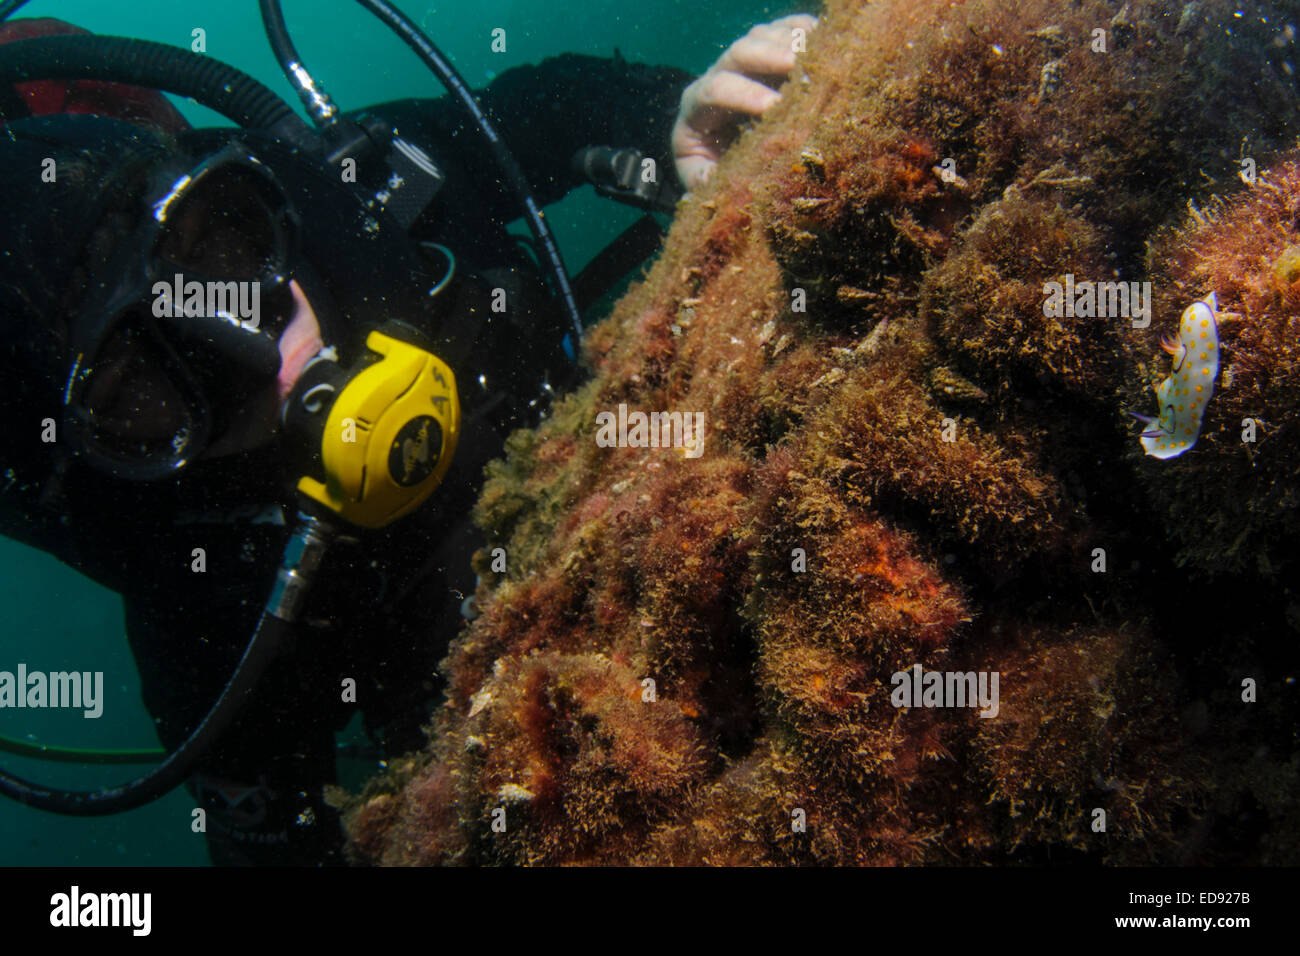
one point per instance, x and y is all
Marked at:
(138, 402)
(229, 222)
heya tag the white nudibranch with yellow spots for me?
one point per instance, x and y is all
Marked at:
(1184, 394)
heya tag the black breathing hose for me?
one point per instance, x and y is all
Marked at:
(323, 111)
(302, 557)
(441, 67)
(316, 101)
(9, 8)
(179, 764)
(231, 92)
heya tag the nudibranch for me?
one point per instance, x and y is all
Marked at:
(1184, 394)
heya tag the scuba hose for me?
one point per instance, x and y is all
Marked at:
(322, 111)
(315, 100)
(73, 755)
(22, 748)
(228, 91)
(431, 57)
(302, 557)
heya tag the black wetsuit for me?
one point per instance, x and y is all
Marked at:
(383, 608)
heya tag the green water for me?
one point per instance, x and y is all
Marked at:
(54, 619)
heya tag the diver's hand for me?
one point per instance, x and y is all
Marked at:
(736, 85)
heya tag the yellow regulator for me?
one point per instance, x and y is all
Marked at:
(390, 435)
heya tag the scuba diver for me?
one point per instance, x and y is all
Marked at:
(242, 359)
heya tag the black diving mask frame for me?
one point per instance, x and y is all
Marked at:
(192, 305)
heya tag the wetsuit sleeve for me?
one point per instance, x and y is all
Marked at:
(547, 112)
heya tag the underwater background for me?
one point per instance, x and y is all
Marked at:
(54, 619)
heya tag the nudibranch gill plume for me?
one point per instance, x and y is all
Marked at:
(1182, 396)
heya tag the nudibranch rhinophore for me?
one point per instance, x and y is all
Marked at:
(1184, 394)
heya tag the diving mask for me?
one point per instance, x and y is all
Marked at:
(179, 330)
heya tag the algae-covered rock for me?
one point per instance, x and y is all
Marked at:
(909, 464)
